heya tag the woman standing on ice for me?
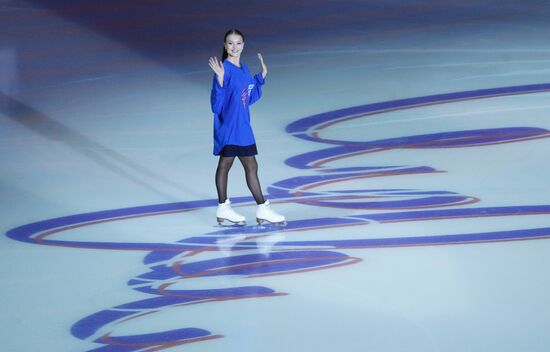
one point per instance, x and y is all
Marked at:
(234, 90)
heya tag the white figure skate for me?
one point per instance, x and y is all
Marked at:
(265, 213)
(224, 212)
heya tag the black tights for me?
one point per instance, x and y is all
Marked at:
(251, 170)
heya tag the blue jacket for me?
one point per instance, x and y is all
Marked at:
(230, 105)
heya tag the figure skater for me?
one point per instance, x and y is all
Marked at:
(233, 90)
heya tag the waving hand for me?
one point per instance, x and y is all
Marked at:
(217, 67)
(264, 67)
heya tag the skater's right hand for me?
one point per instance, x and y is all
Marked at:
(217, 67)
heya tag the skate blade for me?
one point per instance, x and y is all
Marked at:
(231, 223)
(261, 221)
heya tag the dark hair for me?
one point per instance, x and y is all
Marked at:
(227, 34)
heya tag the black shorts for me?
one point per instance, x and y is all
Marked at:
(239, 150)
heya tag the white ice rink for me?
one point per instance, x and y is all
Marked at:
(406, 144)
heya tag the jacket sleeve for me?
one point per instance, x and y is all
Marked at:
(256, 92)
(217, 96)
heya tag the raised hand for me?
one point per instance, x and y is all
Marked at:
(217, 67)
(264, 67)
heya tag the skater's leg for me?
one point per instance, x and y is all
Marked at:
(251, 170)
(222, 172)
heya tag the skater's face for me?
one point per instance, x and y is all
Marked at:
(234, 45)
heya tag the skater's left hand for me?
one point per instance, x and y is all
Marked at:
(264, 67)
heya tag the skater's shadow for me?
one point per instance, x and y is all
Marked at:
(258, 238)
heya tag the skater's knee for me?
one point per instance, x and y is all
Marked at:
(225, 163)
(250, 165)
(251, 169)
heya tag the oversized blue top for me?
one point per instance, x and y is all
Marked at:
(230, 105)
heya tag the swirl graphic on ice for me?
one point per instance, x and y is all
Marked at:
(255, 251)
